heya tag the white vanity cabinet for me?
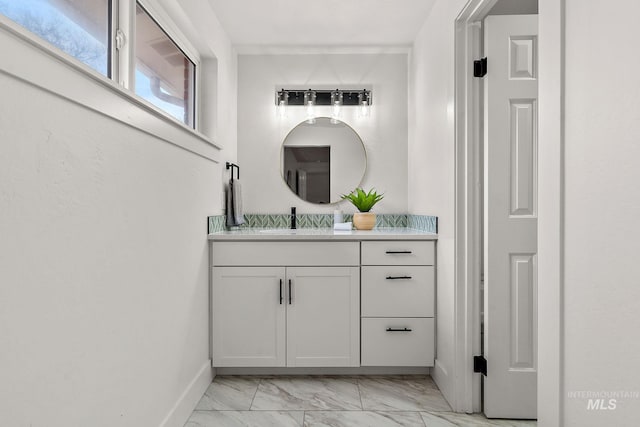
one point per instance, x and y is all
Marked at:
(398, 291)
(294, 304)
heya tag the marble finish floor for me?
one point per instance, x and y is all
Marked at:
(331, 401)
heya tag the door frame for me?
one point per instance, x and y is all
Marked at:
(468, 207)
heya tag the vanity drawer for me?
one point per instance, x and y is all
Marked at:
(384, 347)
(398, 253)
(292, 254)
(397, 291)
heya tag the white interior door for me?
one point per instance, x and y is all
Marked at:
(510, 216)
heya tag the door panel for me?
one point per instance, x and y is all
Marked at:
(523, 146)
(248, 318)
(523, 291)
(323, 316)
(510, 216)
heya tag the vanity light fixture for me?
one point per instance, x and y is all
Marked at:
(337, 99)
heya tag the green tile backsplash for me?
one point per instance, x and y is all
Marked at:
(419, 222)
(423, 222)
(216, 223)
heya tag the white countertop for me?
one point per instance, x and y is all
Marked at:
(322, 234)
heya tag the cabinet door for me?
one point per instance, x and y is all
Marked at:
(323, 312)
(248, 316)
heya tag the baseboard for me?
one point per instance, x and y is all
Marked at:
(189, 398)
(444, 382)
(368, 370)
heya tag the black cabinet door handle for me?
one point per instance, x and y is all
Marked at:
(399, 277)
(280, 291)
(399, 252)
(289, 291)
(398, 330)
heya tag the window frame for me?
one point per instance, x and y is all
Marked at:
(193, 90)
(126, 58)
(121, 59)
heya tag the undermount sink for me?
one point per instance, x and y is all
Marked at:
(280, 231)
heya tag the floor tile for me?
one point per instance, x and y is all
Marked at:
(226, 393)
(451, 419)
(332, 401)
(307, 393)
(362, 419)
(401, 394)
(432, 420)
(245, 419)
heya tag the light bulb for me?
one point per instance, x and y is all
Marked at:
(282, 109)
(335, 112)
(364, 109)
(311, 117)
(336, 102)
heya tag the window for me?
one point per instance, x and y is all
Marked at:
(164, 76)
(163, 73)
(80, 29)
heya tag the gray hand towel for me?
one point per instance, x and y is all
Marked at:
(234, 204)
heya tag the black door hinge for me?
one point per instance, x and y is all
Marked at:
(480, 365)
(480, 67)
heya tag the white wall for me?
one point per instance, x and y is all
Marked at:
(601, 269)
(431, 162)
(103, 255)
(261, 132)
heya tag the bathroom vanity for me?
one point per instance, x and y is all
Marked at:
(319, 298)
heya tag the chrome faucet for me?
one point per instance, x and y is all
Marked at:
(293, 217)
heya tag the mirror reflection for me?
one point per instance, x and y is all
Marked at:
(322, 159)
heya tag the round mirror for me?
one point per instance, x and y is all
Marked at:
(323, 160)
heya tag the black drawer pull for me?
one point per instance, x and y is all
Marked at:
(289, 291)
(398, 330)
(399, 277)
(399, 252)
(280, 291)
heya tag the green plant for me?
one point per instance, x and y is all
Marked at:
(362, 200)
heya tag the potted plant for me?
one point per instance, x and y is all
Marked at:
(363, 201)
